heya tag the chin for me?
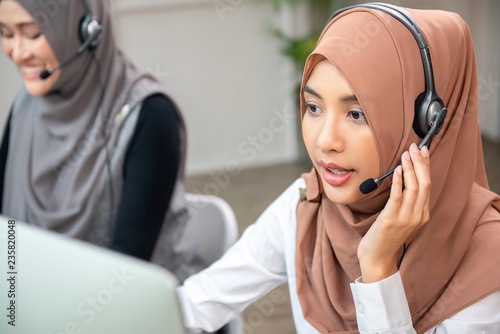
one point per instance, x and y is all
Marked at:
(37, 89)
(342, 196)
(341, 201)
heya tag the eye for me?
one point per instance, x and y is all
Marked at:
(32, 31)
(312, 109)
(357, 116)
(34, 36)
(5, 33)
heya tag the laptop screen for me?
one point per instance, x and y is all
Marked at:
(52, 284)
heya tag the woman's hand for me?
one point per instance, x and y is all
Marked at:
(406, 211)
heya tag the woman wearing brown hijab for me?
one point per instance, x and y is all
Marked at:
(418, 254)
(93, 149)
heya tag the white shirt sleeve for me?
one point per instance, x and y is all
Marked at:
(381, 307)
(250, 268)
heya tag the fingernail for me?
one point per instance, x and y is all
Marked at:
(399, 170)
(425, 152)
(414, 148)
(406, 155)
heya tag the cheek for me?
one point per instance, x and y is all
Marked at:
(45, 51)
(371, 154)
(308, 132)
(7, 47)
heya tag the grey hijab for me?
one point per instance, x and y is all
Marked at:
(60, 142)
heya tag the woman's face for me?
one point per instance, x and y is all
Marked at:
(337, 136)
(23, 42)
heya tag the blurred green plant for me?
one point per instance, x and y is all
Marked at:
(298, 48)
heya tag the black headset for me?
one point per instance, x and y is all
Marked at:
(90, 32)
(90, 35)
(90, 27)
(430, 111)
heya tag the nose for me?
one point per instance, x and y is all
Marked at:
(330, 136)
(18, 51)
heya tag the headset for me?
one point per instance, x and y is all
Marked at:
(90, 33)
(430, 111)
(90, 27)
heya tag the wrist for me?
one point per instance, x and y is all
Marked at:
(374, 271)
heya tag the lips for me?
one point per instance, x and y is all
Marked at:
(335, 175)
(31, 72)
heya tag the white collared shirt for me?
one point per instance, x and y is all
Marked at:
(264, 258)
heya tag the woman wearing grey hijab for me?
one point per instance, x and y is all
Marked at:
(93, 148)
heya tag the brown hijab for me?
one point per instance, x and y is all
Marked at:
(453, 261)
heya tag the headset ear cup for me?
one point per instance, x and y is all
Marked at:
(83, 32)
(88, 27)
(418, 105)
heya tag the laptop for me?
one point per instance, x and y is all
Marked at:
(52, 284)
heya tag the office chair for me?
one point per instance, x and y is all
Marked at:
(212, 225)
(214, 228)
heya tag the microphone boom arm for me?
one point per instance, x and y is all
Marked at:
(371, 184)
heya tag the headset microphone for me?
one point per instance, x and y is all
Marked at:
(371, 184)
(95, 34)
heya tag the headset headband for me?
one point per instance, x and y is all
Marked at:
(86, 7)
(407, 20)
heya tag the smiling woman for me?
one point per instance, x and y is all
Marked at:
(94, 150)
(24, 43)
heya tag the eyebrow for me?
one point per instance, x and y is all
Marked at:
(311, 91)
(20, 25)
(348, 98)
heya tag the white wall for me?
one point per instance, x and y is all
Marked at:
(482, 18)
(10, 81)
(226, 72)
